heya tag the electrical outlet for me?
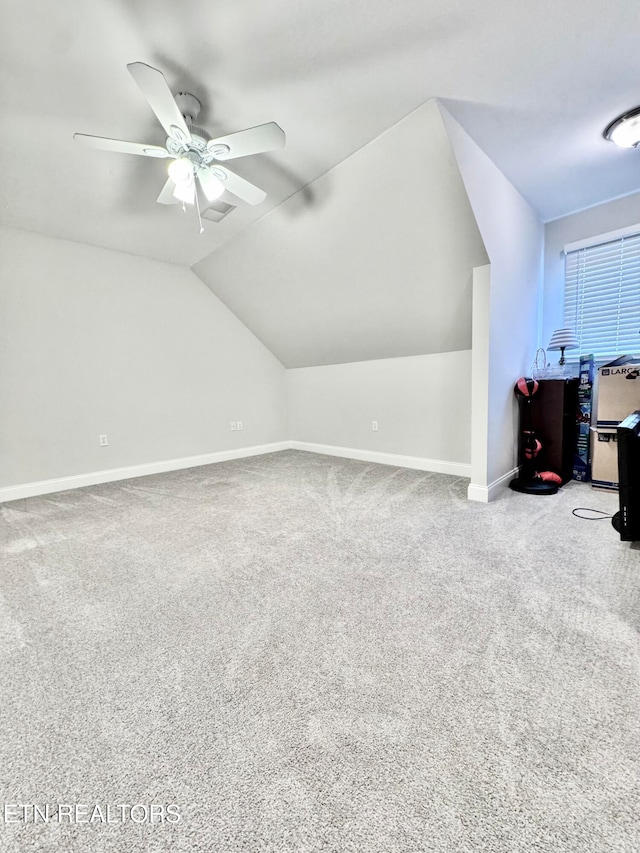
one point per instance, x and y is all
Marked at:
(374, 426)
(104, 441)
(233, 426)
(239, 425)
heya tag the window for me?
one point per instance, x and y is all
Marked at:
(602, 293)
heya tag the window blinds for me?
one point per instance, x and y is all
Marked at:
(602, 296)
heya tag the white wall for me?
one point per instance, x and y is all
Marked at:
(373, 260)
(362, 285)
(578, 226)
(94, 341)
(513, 236)
(421, 403)
(480, 372)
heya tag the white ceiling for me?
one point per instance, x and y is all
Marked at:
(533, 83)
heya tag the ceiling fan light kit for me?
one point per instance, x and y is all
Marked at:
(180, 170)
(624, 131)
(194, 155)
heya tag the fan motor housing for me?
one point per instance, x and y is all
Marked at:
(195, 149)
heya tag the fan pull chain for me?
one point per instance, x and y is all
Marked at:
(198, 209)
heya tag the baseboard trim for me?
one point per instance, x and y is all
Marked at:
(62, 484)
(419, 463)
(78, 481)
(484, 494)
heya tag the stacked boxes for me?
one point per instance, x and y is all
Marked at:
(618, 391)
(618, 396)
(581, 459)
(604, 459)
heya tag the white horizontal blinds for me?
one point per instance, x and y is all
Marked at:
(602, 296)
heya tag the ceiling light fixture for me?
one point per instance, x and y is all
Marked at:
(180, 171)
(185, 191)
(625, 130)
(211, 184)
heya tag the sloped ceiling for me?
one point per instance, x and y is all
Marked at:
(533, 83)
(376, 263)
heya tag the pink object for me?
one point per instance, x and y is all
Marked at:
(549, 477)
(526, 386)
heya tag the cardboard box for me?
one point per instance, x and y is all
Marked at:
(618, 391)
(604, 459)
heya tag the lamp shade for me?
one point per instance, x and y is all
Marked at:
(563, 339)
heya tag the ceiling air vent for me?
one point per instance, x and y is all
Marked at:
(217, 211)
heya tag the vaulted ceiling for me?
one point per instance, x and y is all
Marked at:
(383, 269)
(533, 83)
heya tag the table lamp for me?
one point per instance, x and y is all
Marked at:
(563, 339)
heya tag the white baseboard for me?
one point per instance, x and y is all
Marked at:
(78, 481)
(419, 463)
(490, 492)
(61, 484)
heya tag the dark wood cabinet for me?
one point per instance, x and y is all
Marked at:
(553, 417)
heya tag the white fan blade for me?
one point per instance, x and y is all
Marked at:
(156, 90)
(238, 186)
(121, 146)
(254, 140)
(166, 193)
(211, 185)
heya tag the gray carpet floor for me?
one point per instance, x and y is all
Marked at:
(305, 653)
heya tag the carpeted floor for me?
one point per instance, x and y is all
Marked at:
(304, 653)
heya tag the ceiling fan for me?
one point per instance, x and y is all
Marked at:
(194, 155)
